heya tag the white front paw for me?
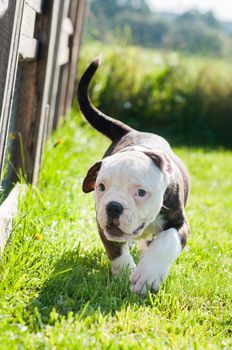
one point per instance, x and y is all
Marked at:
(148, 275)
(122, 264)
(156, 261)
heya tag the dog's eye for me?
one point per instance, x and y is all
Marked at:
(101, 187)
(141, 192)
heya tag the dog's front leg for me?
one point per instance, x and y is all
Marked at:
(154, 265)
(118, 254)
(123, 262)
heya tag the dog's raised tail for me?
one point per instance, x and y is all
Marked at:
(108, 126)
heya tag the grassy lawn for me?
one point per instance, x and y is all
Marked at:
(56, 291)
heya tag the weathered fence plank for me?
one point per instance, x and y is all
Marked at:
(28, 45)
(55, 68)
(35, 4)
(39, 46)
(32, 106)
(68, 72)
(10, 26)
(44, 112)
(47, 51)
(8, 210)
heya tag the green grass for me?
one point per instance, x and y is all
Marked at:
(56, 291)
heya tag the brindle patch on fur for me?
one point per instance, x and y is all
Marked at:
(173, 212)
(113, 249)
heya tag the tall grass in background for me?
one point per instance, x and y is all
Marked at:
(186, 99)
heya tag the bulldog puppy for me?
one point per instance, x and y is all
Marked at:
(140, 189)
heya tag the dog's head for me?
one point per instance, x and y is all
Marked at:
(128, 190)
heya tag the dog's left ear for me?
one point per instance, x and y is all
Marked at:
(90, 179)
(162, 162)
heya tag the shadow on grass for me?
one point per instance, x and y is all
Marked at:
(81, 283)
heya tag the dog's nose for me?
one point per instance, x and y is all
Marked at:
(114, 210)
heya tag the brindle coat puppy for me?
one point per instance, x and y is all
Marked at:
(141, 189)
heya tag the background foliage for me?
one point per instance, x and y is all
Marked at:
(191, 32)
(187, 100)
(165, 73)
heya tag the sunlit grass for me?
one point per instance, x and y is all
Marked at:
(56, 291)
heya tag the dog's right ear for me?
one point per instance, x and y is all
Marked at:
(90, 179)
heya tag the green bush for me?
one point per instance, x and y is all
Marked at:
(188, 101)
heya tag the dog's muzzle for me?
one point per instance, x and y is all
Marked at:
(114, 210)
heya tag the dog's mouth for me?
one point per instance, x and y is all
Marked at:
(135, 232)
(113, 232)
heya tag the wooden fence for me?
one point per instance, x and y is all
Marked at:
(39, 47)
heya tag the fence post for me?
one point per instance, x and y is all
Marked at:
(10, 25)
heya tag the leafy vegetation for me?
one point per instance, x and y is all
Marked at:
(191, 32)
(56, 291)
(188, 100)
